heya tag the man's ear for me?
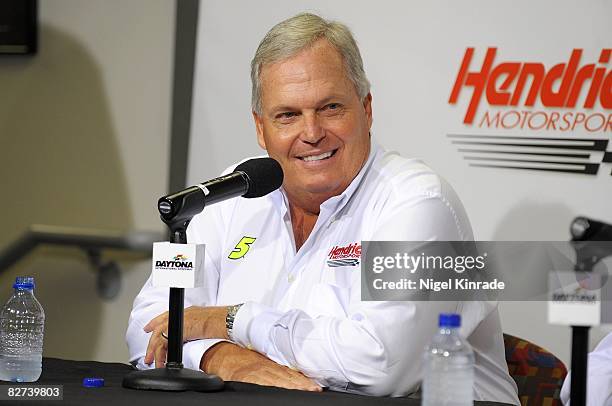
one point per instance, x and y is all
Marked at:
(367, 106)
(259, 128)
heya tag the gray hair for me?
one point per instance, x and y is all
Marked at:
(297, 33)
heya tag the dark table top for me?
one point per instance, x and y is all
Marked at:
(70, 374)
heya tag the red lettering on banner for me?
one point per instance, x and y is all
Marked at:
(554, 117)
(477, 80)
(546, 120)
(496, 96)
(537, 71)
(560, 86)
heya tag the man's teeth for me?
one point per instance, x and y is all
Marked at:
(317, 157)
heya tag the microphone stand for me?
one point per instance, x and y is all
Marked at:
(580, 349)
(174, 377)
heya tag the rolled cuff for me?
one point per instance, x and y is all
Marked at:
(193, 351)
(252, 326)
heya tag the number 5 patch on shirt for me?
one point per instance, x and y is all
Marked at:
(242, 247)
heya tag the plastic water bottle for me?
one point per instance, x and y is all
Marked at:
(448, 378)
(22, 323)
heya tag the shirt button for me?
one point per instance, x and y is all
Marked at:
(249, 346)
(290, 278)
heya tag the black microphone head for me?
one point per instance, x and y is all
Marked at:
(265, 176)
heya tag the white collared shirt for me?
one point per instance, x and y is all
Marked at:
(304, 310)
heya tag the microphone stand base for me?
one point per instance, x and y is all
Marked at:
(173, 379)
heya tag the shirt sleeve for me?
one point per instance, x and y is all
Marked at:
(152, 301)
(376, 349)
(599, 377)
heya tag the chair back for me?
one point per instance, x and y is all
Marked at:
(538, 373)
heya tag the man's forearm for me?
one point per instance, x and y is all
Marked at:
(234, 363)
(214, 358)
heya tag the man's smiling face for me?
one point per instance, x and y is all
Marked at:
(313, 122)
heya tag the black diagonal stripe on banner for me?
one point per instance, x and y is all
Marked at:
(595, 147)
(552, 154)
(481, 158)
(589, 169)
(607, 158)
(598, 144)
(491, 148)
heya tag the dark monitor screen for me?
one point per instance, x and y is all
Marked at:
(18, 26)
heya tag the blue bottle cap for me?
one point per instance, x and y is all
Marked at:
(93, 382)
(24, 282)
(449, 320)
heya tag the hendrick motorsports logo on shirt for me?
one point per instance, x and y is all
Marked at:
(178, 262)
(345, 256)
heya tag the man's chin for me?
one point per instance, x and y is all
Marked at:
(323, 190)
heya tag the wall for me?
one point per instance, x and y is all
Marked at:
(412, 53)
(84, 135)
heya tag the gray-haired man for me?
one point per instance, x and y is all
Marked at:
(282, 302)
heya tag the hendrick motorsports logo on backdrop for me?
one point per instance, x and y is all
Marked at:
(569, 98)
(344, 256)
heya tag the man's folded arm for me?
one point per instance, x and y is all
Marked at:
(377, 350)
(377, 347)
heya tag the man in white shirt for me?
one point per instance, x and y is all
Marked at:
(599, 376)
(278, 308)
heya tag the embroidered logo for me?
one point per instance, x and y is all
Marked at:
(344, 256)
(241, 248)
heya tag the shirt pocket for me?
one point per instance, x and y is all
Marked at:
(328, 299)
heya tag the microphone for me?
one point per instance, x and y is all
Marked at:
(590, 241)
(583, 229)
(253, 178)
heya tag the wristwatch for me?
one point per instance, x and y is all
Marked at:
(229, 319)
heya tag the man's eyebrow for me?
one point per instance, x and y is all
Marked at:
(282, 108)
(332, 98)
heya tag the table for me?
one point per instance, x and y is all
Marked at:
(70, 374)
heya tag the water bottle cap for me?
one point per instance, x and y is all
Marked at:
(449, 320)
(93, 382)
(24, 282)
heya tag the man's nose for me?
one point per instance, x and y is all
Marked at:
(313, 132)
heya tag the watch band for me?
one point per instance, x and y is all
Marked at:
(229, 319)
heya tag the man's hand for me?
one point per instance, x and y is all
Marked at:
(234, 363)
(198, 322)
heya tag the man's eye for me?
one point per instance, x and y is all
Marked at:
(332, 107)
(286, 115)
